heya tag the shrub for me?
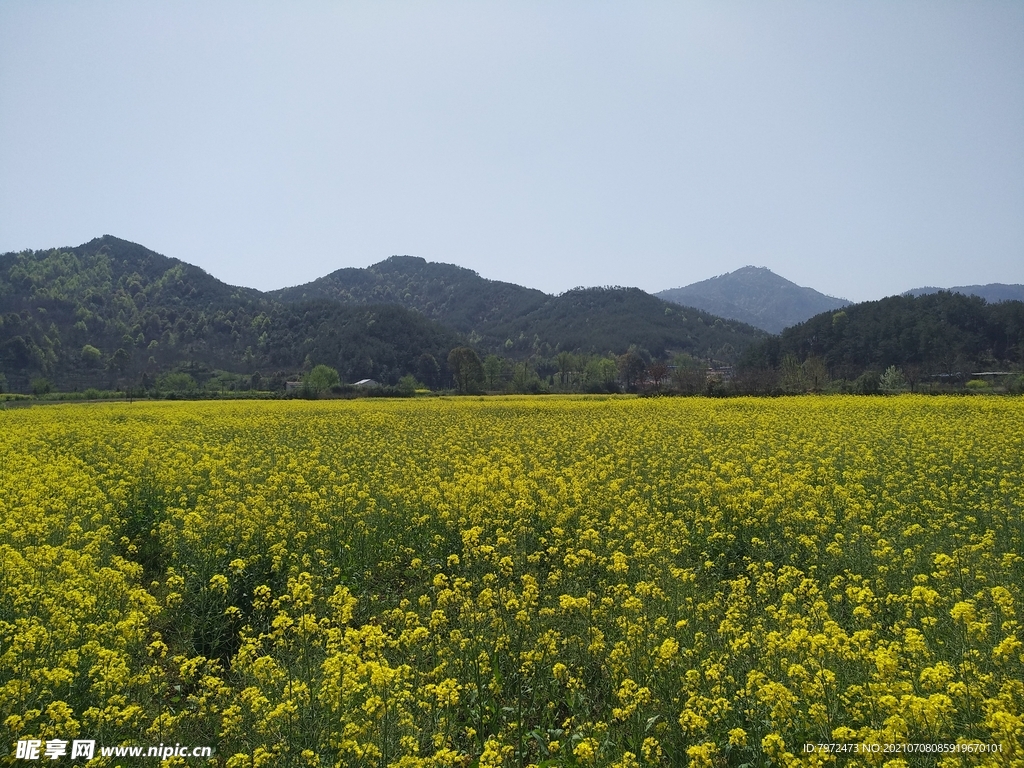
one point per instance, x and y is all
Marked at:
(866, 383)
(892, 381)
(177, 382)
(320, 380)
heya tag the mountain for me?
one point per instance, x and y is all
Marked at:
(112, 311)
(507, 319)
(754, 295)
(452, 295)
(991, 292)
(600, 320)
(933, 334)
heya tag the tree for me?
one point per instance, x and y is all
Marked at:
(913, 374)
(177, 382)
(632, 369)
(599, 374)
(428, 369)
(321, 379)
(892, 380)
(866, 383)
(815, 373)
(494, 368)
(791, 375)
(658, 371)
(524, 378)
(120, 360)
(408, 385)
(91, 356)
(567, 364)
(689, 375)
(467, 370)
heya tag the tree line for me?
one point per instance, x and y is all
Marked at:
(113, 315)
(936, 342)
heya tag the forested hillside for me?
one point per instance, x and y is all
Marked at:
(935, 335)
(110, 312)
(508, 319)
(450, 294)
(989, 292)
(597, 320)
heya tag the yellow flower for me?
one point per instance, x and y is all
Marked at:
(586, 751)
(738, 737)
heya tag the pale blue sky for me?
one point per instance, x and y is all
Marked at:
(861, 148)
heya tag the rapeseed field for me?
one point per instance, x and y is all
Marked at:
(514, 582)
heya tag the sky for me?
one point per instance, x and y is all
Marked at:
(862, 149)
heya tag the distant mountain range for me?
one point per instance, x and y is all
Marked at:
(113, 311)
(512, 320)
(763, 299)
(754, 295)
(991, 292)
(110, 312)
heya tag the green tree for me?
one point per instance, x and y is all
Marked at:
(177, 382)
(524, 378)
(467, 370)
(494, 369)
(91, 356)
(815, 373)
(866, 383)
(408, 385)
(689, 375)
(892, 380)
(599, 374)
(428, 369)
(321, 379)
(120, 360)
(567, 364)
(791, 375)
(913, 373)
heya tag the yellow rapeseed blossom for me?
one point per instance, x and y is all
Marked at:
(515, 581)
